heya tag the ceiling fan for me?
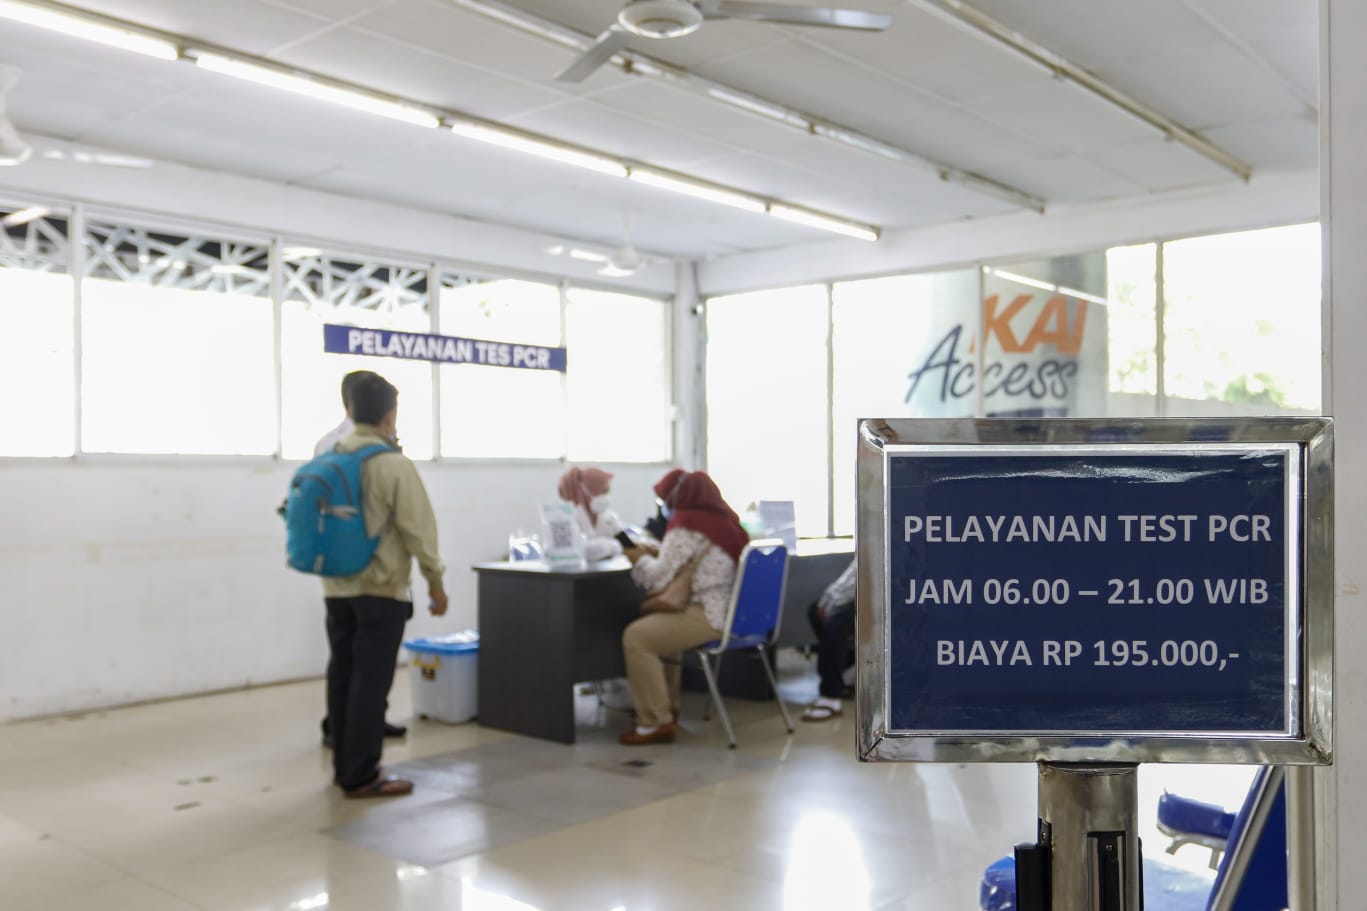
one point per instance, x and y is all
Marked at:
(15, 149)
(625, 261)
(676, 18)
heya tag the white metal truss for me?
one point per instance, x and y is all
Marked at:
(38, 244)
(320, 280)
(166, 260)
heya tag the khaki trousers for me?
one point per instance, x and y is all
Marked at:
(652, 646)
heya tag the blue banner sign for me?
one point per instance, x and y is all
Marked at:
(443, 349)
(1106, 591)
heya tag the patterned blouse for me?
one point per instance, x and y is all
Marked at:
(712, 579)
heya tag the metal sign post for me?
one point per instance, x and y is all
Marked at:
(1090, 595)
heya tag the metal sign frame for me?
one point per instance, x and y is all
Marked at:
(1309, 586)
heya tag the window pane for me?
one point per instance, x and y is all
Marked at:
(899, 345)
(320, 289)
(36, 308)
(618, 382)
(176, 345)
(1241, 322)
(767, 414)
(489, 412)
(1132, 325)
(1045, 349)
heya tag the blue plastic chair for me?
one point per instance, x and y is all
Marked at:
(1252, 871)
(1192, 822)
(752, 622)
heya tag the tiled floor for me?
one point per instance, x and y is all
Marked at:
(222, 802)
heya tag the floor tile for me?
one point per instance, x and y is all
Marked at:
(432, 834)
(276, 874)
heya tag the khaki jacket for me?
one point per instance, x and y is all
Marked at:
(397, 508)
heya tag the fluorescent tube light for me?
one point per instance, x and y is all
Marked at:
(89, 29)
(825, 222)
(554, 151)
(759, 106)
(313, 88)
(697, 190)
(24, 216)
(510, 15)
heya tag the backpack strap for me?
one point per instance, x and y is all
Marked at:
(368, 452)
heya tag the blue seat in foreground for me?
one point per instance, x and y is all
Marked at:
(752, 621)
(1257, 840)
(1191, 822)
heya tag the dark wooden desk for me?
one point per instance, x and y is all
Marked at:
(541, 631)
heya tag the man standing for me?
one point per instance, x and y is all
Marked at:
(367, 611)
(325, 444)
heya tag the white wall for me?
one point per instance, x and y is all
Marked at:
(126, 580)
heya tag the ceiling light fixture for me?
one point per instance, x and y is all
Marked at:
(24, 216)
(825, 222)
(520, 142)
(511, 15)
(317, 89)
(638, 64)
(974, 19)
(89, 28)
(697, 189)
(759, 106)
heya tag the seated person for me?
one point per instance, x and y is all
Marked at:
(587, 489)
(832, 619)
(702, 533)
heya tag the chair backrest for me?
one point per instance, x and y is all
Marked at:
(1253, 872)
(756, 606)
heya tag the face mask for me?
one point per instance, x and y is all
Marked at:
(599, 504)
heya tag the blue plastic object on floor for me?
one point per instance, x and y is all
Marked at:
(1182, 814)
(1171, 888)
(1166, 887)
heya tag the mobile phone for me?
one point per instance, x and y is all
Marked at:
(625, 539)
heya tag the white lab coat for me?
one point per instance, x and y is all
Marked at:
(333, 437)
(599, 540)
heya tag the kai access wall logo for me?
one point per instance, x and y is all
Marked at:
(1044, 354)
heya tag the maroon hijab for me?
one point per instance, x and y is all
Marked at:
(695, 503)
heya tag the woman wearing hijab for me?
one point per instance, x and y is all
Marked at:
(701, 528)
(587, 489)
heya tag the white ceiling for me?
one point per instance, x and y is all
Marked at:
(1240, 72)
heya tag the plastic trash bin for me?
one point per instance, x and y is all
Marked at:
(443, 676)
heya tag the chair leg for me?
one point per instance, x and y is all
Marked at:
(707, 712)
(773, 682)
(711, 675)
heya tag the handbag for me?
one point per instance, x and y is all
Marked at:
(676, 594)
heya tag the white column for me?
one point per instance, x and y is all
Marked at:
(1342, 876)
(688, 337)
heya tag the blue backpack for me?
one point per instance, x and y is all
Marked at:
(324, 522)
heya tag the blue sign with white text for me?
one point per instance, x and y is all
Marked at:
(1092, 592)
(443, 349)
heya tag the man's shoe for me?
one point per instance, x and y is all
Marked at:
(662, 734)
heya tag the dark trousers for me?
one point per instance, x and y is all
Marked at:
(833, 647)
(364, 634)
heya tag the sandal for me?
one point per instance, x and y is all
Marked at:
(818, 712)
(382, 786)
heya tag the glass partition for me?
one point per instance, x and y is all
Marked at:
(177, 354)
(322, 289)
(36, 310)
